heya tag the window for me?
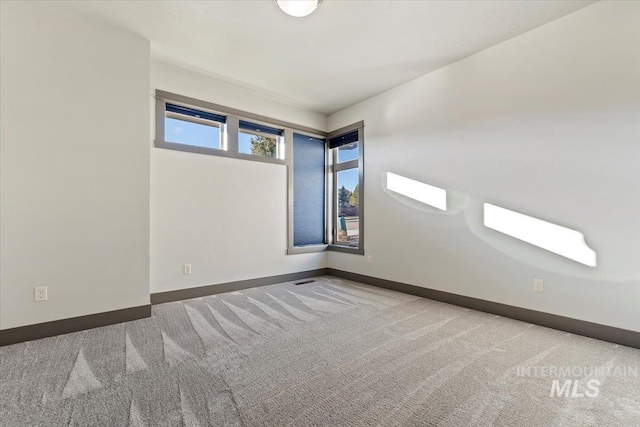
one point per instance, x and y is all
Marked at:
(325, 172)
(193, 127)
(327, 193)
(260, 140)
(346, 146)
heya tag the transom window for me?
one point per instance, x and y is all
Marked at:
(187, 126)
(260, 140)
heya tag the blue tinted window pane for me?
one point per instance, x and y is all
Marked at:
(189, 133)
(348, 221)
(348, 152)
(257, 145)
(308, 190)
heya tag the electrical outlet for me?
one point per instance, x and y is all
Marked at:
(538, 285)
(368, 259)
(40, 293)
(186, 269)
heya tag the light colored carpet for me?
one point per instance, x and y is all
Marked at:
(332, 353)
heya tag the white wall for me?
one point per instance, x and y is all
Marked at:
(74, 166)
(548, 124)
(225, 217)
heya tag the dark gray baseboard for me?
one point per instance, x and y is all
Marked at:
(567, 324)
(73, 324)
(201, 291)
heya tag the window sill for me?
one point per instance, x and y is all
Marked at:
(346, 249)
(306, 249)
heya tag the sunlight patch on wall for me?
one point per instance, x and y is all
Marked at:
(424, 193)
(546, 235)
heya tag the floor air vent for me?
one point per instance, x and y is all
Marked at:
(304, 282)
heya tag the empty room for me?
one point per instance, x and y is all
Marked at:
(320, 213)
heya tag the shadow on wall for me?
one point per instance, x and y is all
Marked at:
(542, 243)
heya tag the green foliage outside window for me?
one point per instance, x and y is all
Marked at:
(264, 146)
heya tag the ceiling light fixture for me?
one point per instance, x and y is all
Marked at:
(298, 8)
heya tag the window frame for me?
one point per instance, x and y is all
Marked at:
(336, 167)
(229, 143)
(229, 148)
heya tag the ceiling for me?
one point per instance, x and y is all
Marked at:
(341, 54)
